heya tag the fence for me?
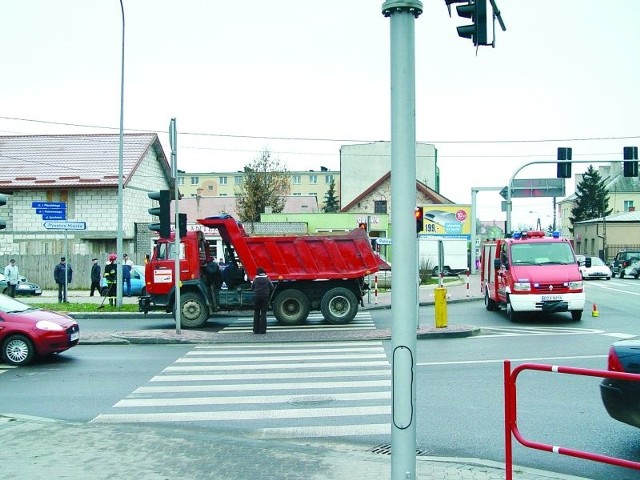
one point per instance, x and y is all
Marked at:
(510, 417)
(39, 268)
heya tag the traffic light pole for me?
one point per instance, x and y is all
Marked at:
(402, 15)
(173, 141)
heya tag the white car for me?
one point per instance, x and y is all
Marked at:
(633, 270)
(597, 268)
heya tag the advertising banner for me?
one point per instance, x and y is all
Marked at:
(447, 220)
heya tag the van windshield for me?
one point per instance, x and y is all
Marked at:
(542, 253)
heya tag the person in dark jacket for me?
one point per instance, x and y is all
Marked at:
(61, 271)
(262, 288)
(95, 277)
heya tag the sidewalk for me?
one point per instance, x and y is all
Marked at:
(41, 449)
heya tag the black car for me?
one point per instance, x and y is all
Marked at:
(623, 260)
(621, 398)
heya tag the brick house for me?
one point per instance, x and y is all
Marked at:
(82, 172)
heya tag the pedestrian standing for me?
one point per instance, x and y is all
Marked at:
(62, 274)
(262, 288)
(95, 277)
(110, 275)
(12, 277)
(127, 266)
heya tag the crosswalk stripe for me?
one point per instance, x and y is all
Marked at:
(282, 358)
(326, 431)
(228, 415)
(285, 366)
(269, 376)
(262, 386)
(256, 400)
(315, 321)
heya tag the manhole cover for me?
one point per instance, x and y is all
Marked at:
(311, 400)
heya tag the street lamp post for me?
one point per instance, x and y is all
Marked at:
(120, 174)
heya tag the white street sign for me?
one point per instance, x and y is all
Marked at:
(65, 225)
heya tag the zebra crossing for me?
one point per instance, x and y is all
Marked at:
(296, 390)
(503, 331)
(5, 368)
(315, 321)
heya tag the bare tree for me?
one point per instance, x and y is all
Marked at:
(265, 184)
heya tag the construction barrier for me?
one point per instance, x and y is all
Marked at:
(511, 423)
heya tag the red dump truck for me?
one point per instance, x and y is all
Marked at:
(310, 272)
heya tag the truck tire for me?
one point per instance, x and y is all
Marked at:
(576, 315)
(194, 312)
(511, 314)
(291, 307)
(339, 306)
(490, 304)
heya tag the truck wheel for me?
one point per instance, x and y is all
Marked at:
(489, 303)
(291, 307)
(339, 305)
(576, 315)
(194, 312)
(511, 314)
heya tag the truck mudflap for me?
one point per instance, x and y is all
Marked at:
(144, 304)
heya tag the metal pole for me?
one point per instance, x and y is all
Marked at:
(119, 248)
(176, 230)
(402, 15)
(66, 267)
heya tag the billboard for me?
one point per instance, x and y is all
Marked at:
(446, 220)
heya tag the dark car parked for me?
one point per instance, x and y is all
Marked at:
(621, 398)
(623, 259)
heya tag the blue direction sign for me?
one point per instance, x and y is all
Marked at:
(56, 205)
(54, 216)
(65, 225)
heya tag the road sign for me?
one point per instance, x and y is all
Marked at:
(65, 225)
(535, 187)
(57, 205)
(54, 216)
(383, 241)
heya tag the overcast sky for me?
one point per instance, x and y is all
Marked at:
(301, 78)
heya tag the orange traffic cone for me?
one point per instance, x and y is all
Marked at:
(594, 312)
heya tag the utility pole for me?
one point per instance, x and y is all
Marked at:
(404, 308)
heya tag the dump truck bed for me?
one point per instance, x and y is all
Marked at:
(299, 257)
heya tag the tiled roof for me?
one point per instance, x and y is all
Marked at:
(210, 206)
(63, 161)
(620, 217)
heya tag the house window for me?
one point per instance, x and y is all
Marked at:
(313, 194)
(238, 179)
(380, 206)
(210, 187)
(328, 179)
(180, 180)
(223, 194)
(297, 194)
(628, 206)
(223, 180)
(195, 180)
(296, 179)
(313, 179)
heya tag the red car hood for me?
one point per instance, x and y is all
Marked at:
(34, 316)
(546, 273)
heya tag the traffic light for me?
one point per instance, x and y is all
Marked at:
(182, 224)
(564, 162)
(3, 222)
(630, 165)
(419, 219)
(162, 212)
(476, 10)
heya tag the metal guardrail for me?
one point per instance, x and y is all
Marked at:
(510, 414)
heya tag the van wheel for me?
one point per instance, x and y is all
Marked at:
(489, 304)
(576, 315)
(339, 306)
(291, 307)
(511, 314)
(194, 312)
